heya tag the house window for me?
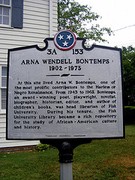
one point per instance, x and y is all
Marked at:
(3, 87)
(5, 12)
(11, 13)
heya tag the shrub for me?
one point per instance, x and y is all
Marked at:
(42, 147)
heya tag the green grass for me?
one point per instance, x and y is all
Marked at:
(112, 159)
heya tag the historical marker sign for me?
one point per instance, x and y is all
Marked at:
(64, 90)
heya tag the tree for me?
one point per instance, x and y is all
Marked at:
(76, 17)
(128, 56)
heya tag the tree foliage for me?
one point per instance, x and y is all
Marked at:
(81, 20)
(128, 56)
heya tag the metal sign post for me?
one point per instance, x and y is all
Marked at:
(66, 148)
(65, 158)
(66, 171)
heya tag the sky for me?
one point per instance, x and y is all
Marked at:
(119, 15)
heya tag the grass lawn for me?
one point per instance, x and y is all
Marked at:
(99, 160)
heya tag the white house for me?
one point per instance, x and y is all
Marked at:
(22, 23)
